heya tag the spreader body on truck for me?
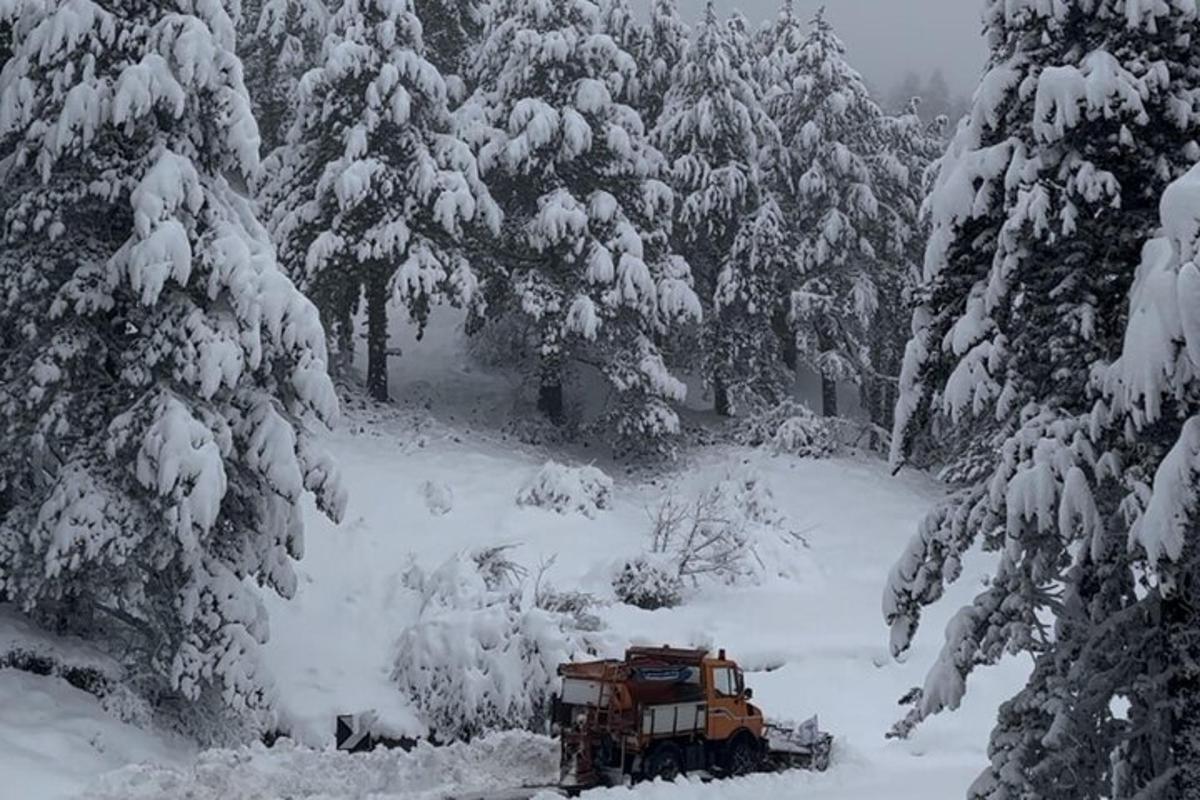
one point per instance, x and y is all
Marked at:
(662, 712)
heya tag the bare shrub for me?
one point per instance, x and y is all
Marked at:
(702, 538)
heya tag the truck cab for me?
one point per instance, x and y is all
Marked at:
(729, 708)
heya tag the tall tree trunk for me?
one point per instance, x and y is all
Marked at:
(1181, 612)
(344, 331)
(888, 394)
(550, 388)
(870, 392)
(377, 336)
(787, 338)
(829, 400)
(721, 398)
(550, 398)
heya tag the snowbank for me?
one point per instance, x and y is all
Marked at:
(55, 739)
(286, 770)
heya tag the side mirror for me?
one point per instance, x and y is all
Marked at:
(748, 694)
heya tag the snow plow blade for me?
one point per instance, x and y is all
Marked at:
(803, 746)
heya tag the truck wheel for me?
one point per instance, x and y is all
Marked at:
(742, 755)
(664, 762)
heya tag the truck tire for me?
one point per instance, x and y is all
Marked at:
(664, 761)
(743, 754)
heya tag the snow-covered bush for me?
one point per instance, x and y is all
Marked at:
(85, 678)
(585, 490)
(438, 496)
(499, 572)
(788, 427)
(648, 582)
(573, 603)
(482, 656)
(577, 605)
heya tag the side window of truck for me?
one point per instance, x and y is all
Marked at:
(723, 682)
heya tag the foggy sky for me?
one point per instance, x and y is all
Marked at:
(885, 38)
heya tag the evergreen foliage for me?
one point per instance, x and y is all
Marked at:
(713, 131)
(825, 185)
(585, 259)
(378, 195)
(1042, 205)
(156, 368)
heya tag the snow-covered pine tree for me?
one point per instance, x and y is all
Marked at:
(618, 20)
(379, 194)
(712, 131)
(830, 126)
(774, 44)
(7, 17)
(585, 250)
(741, 39)
(744, 350)
(907, 149)
(278, 41)
(664, 47)
(452, 31)
(1040, 208)
(16, 18)
(156, 368)
(1150, 409)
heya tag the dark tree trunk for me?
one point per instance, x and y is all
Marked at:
(1181, 612)
(787, 339)
(887, 404)
(345, 345)
(871, 393)
(829, 400)
(550, 398)
(377, 336)
(721, 398)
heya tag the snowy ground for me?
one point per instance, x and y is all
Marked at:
(55, 738)
(815, 644)
(821, 637)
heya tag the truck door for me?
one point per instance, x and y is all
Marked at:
(728, 711)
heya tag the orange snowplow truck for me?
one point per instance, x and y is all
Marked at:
(664, 711)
